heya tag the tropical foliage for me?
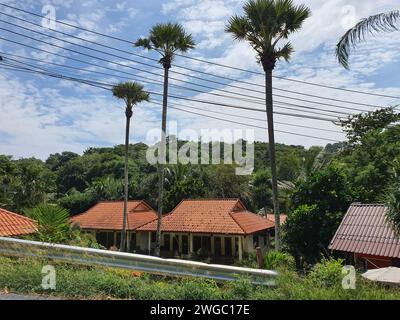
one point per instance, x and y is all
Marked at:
(382, 22)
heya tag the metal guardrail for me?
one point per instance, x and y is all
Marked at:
(150, 264)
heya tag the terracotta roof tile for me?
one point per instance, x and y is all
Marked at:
(109, 216)
(282, 217)
(224, 216)
(12, 224)
(365, 230)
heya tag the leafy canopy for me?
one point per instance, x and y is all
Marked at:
(166, 39)
(264, 24)
(131, 92)
(356, 126)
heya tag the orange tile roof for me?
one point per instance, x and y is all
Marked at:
(12, 224)
(109, 215)
(282, 217)
(224, 216)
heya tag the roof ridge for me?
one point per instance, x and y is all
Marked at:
(234, 219)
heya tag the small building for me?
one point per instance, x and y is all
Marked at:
(366, 237)
(222, 229)
(14, 225)
(105, 220)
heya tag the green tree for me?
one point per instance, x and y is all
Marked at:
(166, 39)
(382, 22)
(369, 164)
(393, 200)
(264, 24)
(53, 223)
(132, 93)
(356, 126)
(318, 205)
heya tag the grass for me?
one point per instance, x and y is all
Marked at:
(78, 282)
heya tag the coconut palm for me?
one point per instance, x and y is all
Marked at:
(264, 25)
(382, 22)
(166, 39)
(132, 93)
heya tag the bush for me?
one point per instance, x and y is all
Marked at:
(197, 289)
(327, 273)
(275, 260)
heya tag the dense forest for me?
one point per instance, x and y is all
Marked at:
(316, 184)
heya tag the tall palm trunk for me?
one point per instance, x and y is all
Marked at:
(161, 163)
(271, 144)
(128, 113)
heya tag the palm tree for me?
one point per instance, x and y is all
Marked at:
(166, 39)
(382, 22)
(132, 93)
(52, 221)
(263, 25)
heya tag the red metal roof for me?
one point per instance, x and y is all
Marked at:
(365, 230)
(12, 224)
(109, 216)
(223, 216)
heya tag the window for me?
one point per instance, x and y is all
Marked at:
(196, 243)
(185, 244)
(133, 242)
(217, 246)
(255, 241)
(175, 243)
(167, 239)
(206, 243)
(228, 246)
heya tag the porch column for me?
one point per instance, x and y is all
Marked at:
(190, 243)
(115, 239)
(212, 244)
(240, 249)
(149, 242)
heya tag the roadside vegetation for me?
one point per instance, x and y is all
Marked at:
(81, 282)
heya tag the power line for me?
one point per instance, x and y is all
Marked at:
(144, 57)
(181, 97)
(201, 60)
(185, 88)
(108, 86)
(278, 104)
(208, 116)
(251, 118)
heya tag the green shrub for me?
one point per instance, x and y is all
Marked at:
(276, 260)
(197, 289)
(327, 273)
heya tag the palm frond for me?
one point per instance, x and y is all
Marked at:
(131, 92)
(143, 42)
(285, 52)
(383, 22)
(167, 38)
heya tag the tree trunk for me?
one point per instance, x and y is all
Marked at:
(128, 114)
(161, 162)
(271, 144)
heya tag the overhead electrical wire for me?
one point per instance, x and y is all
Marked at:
(208, 116)
(186, 88)
(201, 60)
(278, 103)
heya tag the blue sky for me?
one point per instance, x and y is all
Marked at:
(41, 115)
